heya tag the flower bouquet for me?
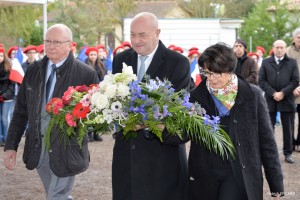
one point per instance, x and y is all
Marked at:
(121, 102)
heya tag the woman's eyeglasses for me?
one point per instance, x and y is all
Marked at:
(211, 74)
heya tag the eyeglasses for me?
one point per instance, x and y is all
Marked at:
(211, 74)
(55, 43)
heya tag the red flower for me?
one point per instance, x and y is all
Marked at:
(70, 120)
(54, 106)
(82, 88)
(80, 111)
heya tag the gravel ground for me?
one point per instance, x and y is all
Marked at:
(95, 183)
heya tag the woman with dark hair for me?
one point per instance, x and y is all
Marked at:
(94, 61)
(244, 116)
(7, 90)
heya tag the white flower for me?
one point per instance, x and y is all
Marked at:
(126, 76)
(116, 106)
(111, 91)
(99, 119)
(123, 90)
(107, 114)
(100, 101)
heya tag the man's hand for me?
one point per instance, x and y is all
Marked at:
(296, 91)
(278, 96)
(9, 159)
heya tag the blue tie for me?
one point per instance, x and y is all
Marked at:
(50, 81)
(142, 68)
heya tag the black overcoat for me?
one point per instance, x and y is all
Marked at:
(144, 168)
(253, 140)
(275, 78)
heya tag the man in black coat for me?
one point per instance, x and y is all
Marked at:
(58, 166)
(278, 77)
(143, 167)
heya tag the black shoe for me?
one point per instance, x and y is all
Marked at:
(91, 138)
(97, 137)
(289, 159)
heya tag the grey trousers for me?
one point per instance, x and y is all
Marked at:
(56, 188)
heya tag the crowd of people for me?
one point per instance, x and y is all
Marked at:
(246, 90)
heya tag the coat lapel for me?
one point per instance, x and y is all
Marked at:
(157, 60)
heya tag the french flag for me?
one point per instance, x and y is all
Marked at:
(195, 73)
(16, 72)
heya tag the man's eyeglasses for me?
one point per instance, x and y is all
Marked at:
(55, 43)
(211, 74)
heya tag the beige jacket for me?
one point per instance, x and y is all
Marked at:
(293, 52)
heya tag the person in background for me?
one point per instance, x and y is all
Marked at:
(260, 51)
(193, 54)
(246, 66)
(118, 49)
(278, 77)
(178, 49)
(30, 52)
(144, 167)
(293, 51)
(40, 51)
(74, 49)
(244, 117)
(12, 52)
(126, 45)
(44, 79)
(95, 62)
(254, 56)
(7, 90)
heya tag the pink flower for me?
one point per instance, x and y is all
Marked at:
(86, 100)
(70, 120)
(54, 106)
(67, 98)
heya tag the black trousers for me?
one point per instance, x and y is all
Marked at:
(221, 185)
(297, 138)
(287, 122)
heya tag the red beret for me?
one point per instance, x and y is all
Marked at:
(192, 52)
(261, 48)
(271, 52)
(11, 49)
(172, 46)
(30, 47)
(116, 49)
(90, 49)
(40, 48)
(74, 44)
(253, 54)
(126, 44)
(193, 48)
(178, 49)
(1, 50)
(100, 46)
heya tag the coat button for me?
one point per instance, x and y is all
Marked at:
(235, 121)
(133, 147)
(50, 151)
(243, 166)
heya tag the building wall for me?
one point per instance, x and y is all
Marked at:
(188, 33)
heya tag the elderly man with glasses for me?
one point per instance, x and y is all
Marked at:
(44, 79)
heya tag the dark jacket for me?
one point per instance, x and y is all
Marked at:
(274, 78)
(143, 168)
(253, 140)
(7, 87)
(64, 160)
(248, 69)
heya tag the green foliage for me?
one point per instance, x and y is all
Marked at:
(18, 25)
(267, 23)
(216, 8)
(90, 20)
